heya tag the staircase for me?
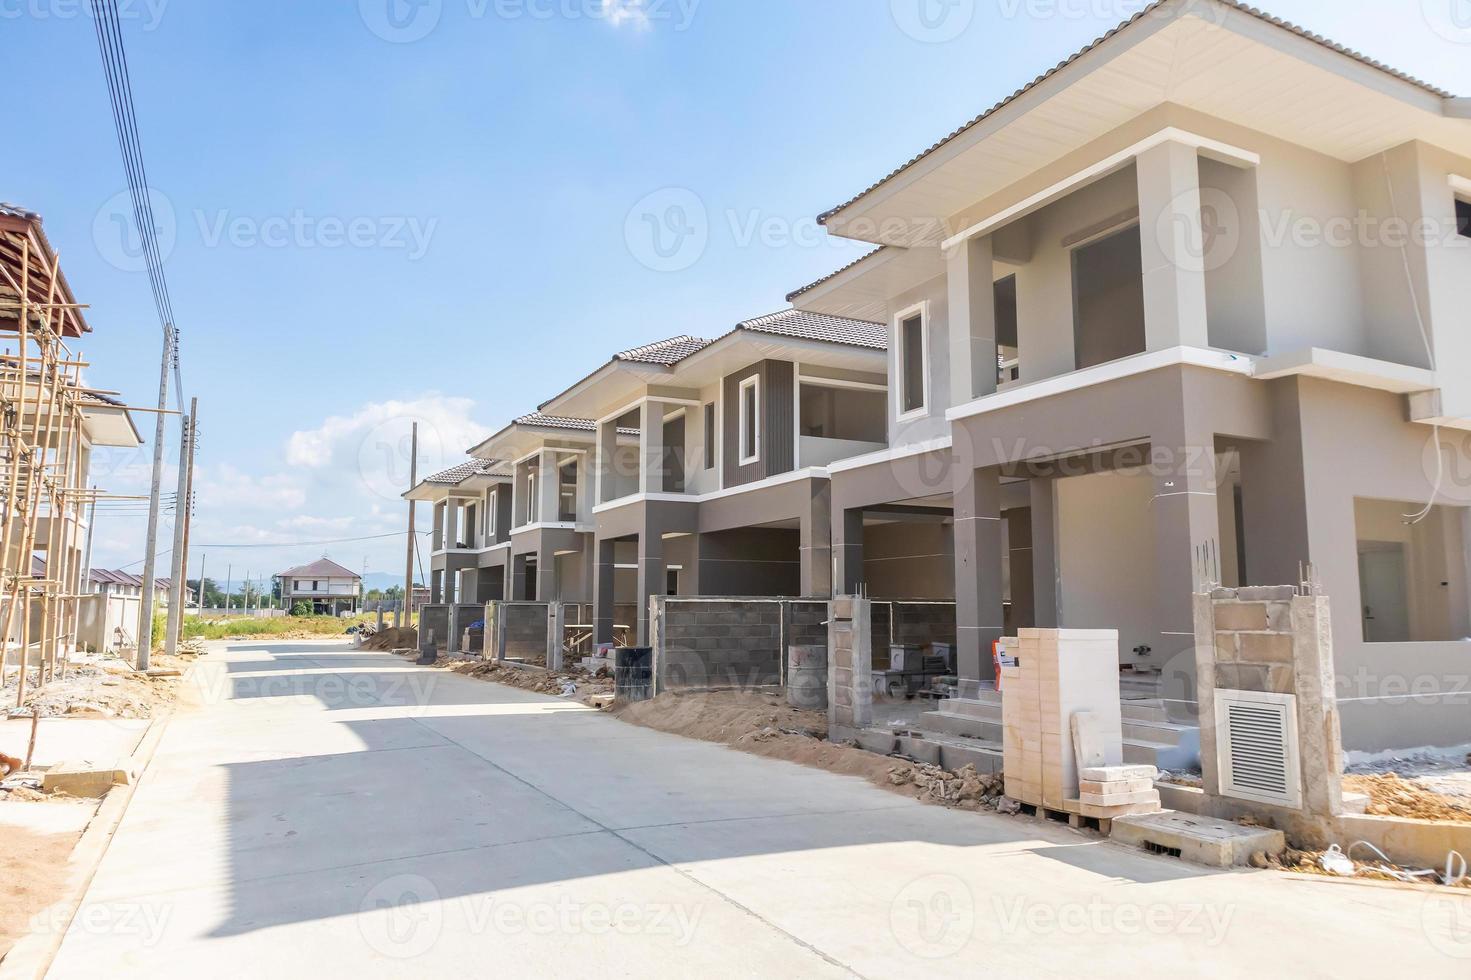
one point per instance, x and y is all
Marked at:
(1150, 738)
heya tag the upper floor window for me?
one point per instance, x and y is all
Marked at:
(490, 509)
(531, 497)
(567, 491)
(750, 417)
(710, 436)
(1463, 217)
(913, 363)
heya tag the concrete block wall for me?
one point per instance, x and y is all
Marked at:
(434, 618)
(703, 643)
(523, 630)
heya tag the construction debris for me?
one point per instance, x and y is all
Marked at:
(89, 779)
(393, 638)
(1391, 795)
(567, 684)
(102, 687)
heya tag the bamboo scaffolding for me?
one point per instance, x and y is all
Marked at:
(42, 405)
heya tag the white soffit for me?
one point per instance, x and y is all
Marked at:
(1233, 67)
(1352, 369)
(863, 292)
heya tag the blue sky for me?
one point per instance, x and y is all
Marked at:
(394, 209)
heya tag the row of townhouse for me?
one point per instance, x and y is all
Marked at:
(1194, 306)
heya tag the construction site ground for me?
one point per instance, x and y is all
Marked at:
(313, 809)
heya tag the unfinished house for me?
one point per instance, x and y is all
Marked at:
(1190, 308)
(711, 459)
(470, 506)
(53, 423)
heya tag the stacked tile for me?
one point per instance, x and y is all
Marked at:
(1021, 739)
(1117, 791)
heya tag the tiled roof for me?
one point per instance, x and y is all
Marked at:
(541, 421)
(820, 326)
(1148, 11)
(835, 273)
(16, 211)
(463, 472)
(664, 351)
(321, 568)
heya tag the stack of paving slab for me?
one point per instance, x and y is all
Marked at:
(1060, 715)
(1107, 792)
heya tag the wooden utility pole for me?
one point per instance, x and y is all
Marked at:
(409, 562)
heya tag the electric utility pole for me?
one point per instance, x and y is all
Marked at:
(177, 588)
(409, 566)
(150, 545)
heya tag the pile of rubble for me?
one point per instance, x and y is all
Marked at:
(101, 687)
(966, 788)
(392, 638)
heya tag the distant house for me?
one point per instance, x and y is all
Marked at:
(104, 581)
(326, 586)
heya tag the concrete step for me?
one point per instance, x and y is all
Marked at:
(947, 751)
(1157, 731)
(1161, 755)
(1201, 840)
(963, 725)
(1159, 744)
(1147, 709)
(966, 708)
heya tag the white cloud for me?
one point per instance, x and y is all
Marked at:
(632, 12)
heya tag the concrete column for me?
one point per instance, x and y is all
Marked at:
(978, 606)
(604, 454)
(969, 278)
(556, 631)
(546, 575)
(452, 523)
(1044, 554)
(547, 487)
(847, 530)
(584, 490)
(438, 540)
(651, 581)
(1186, 528)
(1018, 524)
(651, 455)
(602, 596)
(1171, 247)
(816, 542)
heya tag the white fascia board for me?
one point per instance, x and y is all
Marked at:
(889, 455)
(1214, 149)
(1112, 371)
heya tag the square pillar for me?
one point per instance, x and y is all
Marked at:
(546, 575)
(1044, 553)
(978, 587)
(1186, 532)
(584, 491)
(651, 581)
(1172, 250)
(847, 529)
(816, 542)
(438, 540)
(970, 281)
(548, 488)
(604, 456)
(451, 523)
(602, 593)
(651, 454)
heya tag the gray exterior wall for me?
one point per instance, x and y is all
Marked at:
(777, 423)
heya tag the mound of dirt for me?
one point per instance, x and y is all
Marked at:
(36, 873)
(101, 688)
(393, 638)
(582, 684)
(762, 723)
(1392, 796)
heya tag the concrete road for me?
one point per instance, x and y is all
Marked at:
(329, 813)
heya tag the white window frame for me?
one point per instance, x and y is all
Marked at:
(754, 455)
(531, 499)
(922, 310)
(491, 502)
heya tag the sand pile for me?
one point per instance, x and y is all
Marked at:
(1393, 796)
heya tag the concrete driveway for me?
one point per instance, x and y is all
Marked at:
(331, 813)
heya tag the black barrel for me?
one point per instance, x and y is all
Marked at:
(633, 673)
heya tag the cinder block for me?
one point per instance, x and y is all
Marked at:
(1265, 648)
(86, 779)
(1116, 787)
(1241, 616)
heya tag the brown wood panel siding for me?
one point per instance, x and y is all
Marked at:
(776, 423)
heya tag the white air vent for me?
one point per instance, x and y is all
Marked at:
(1257, 747)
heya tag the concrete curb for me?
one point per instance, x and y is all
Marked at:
(31, 957)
